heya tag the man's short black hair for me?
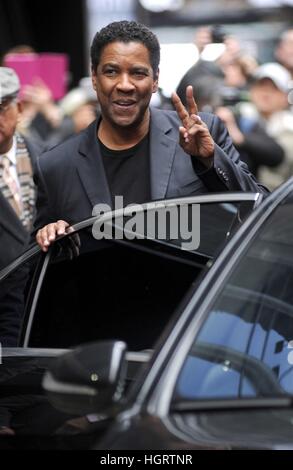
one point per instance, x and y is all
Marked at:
(126, 31)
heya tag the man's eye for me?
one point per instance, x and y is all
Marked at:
(140, 73)
(110, 72)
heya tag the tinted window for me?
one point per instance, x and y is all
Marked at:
(111, 288)
(199, 228)
(112, 291)
(243, 348)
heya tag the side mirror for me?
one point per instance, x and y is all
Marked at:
(88, 379)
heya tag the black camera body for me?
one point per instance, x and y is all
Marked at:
(231, 96)
(217, 34)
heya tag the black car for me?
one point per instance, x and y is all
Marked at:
(221, 375)
(134, 288)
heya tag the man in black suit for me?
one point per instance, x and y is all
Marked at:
(17, 157)
(17, 202)
(133, 151)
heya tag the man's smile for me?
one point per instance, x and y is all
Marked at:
(124, 104)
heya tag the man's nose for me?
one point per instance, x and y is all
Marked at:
(125, 83)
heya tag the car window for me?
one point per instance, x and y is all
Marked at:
(126, 289)
(199, 228)
(244, 347)
(110, 291)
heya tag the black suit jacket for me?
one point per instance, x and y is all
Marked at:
(71, 178)
(13, 236)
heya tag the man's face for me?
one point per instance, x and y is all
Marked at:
(124, 82)
(9, 116)
(267, 97)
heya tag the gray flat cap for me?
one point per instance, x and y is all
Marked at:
(9, 83)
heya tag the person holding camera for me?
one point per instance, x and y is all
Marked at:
(262, 130)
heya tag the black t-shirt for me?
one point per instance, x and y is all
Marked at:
(128, 172)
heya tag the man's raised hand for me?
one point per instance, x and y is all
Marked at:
(194, 136)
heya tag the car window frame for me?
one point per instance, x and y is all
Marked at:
(40, 272)
(33, 249)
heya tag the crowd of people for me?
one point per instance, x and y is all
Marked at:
(252, 100)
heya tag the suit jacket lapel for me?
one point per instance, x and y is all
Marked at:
(10, 221)
(91, 169)
(162, 152)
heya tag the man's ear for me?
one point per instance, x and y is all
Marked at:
(19, 110)
(94, 80)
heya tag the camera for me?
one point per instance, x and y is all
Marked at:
(231, 96)
(217, 34)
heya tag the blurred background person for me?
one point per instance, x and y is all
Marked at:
(50, 121)
(255, 146)
(208, 94)
(42, 117)
(237, 76)
(40, 114)
(17, 157)
(17, 202)
(284, 51)
(81, 105)
(221, 57)
(269, 94)
(203, 67)
(225, 92)
(262, 130)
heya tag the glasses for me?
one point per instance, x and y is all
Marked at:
(5, 105)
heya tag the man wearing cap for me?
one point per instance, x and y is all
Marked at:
(17, 191)
(248, 126)
(270, 96)
(17, 200)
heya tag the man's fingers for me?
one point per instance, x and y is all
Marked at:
(183, 135)
(51, 232)
(181, 110)
(42, 239)
(196, 119)
(58, 228)
(47, 234)
(61, 226)
(191, 104)
(197, 125)
(195, 130)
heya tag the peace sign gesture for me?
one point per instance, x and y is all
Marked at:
(194, 136)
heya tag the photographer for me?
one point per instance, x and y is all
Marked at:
(262, 130)
(255, 146)
(216, 51)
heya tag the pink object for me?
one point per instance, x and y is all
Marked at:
(50, 68)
